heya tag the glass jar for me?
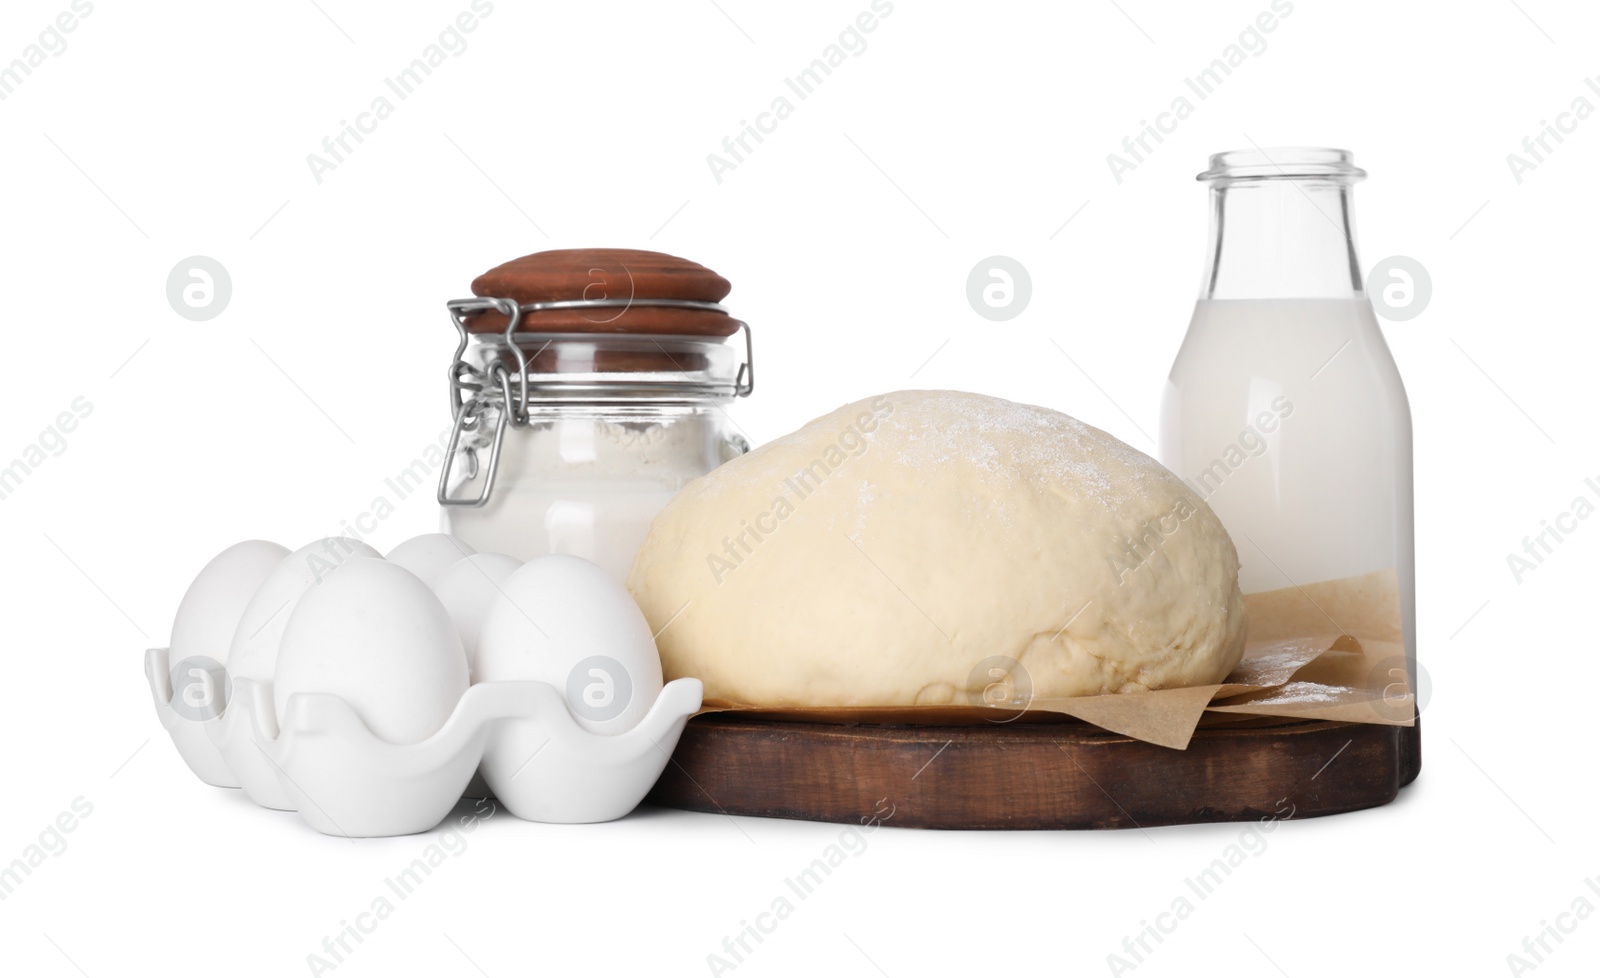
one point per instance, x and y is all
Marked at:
(1284, 409)
(571, 441)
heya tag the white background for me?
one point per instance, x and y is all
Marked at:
(961, 131)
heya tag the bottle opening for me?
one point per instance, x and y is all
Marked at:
(1283, 162)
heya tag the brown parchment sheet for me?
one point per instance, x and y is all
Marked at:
(1325, 651)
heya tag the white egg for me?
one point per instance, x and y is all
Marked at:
(429, 555)
(253, 654)
(210, 610)
(564, 621)
(466, 589)
(373, 634)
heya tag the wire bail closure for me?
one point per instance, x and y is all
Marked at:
(475, 393)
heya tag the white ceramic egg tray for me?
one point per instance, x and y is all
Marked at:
(325, 764)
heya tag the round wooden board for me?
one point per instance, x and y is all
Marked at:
(1032, 776)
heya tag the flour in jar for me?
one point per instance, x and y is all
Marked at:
(586, 486)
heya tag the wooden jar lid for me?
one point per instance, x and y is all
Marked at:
(605, 273)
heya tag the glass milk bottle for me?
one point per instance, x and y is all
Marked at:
(1284, 409)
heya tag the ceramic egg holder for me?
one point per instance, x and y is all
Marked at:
(323, 762)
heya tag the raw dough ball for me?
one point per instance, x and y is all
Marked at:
(932, 547)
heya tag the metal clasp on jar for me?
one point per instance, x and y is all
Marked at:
(476, 393)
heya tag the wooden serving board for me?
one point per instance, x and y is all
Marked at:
(1067, 775)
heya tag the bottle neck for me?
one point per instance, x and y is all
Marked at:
(1282, 238)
